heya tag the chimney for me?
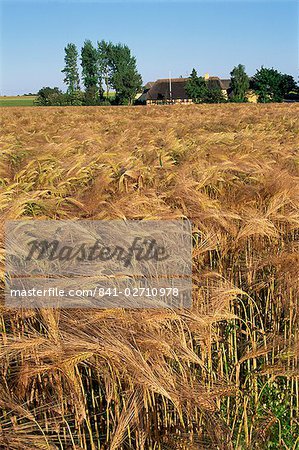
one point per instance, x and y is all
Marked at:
(206, 76)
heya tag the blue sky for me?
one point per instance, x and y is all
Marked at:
(211, 35)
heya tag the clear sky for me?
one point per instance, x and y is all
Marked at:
(210, 35)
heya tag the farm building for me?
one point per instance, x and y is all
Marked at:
(141, 96)
(165, 90)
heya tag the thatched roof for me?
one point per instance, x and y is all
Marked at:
(149, 84)
(225, 84)
(160, 89)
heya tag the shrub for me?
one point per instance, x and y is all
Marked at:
(51, 97)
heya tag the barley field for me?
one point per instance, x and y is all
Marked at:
(221, 375)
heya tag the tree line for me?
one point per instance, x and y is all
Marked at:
(112, 67)
(105, 67)
(268, 84)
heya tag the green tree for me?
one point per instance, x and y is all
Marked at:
(196, 88)
(288, 84)
(271, 85)
(51, 97)
(89, 63)
(214, 95)
(267, 85)
(77, 98)
(104, 51)
(71, 69)
(124, 77)
(239, 84)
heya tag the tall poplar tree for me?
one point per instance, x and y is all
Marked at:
(125, 78)
(89, 63)
(104, 50)
(70, 70)
(239, 84)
